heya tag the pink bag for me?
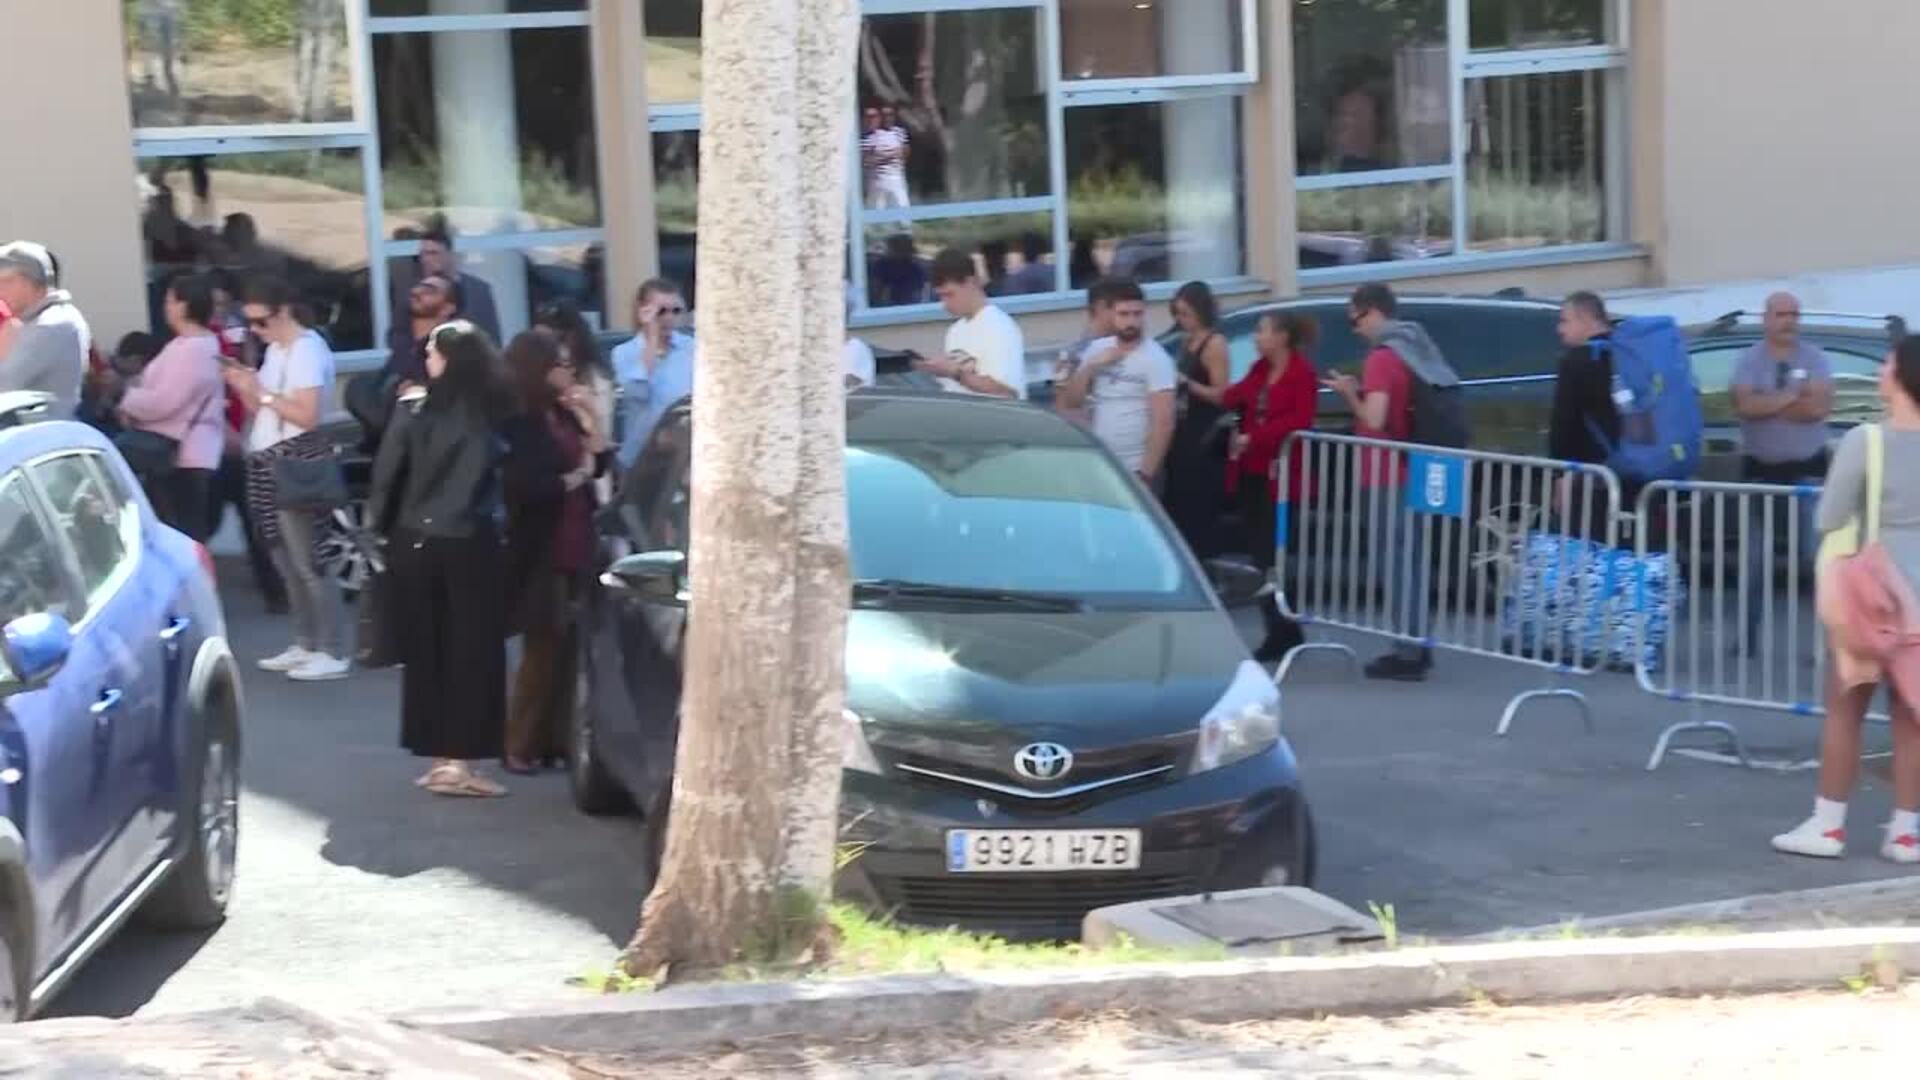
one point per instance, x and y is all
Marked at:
(1870, 612)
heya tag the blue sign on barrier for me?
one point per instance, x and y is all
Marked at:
(1437, 484)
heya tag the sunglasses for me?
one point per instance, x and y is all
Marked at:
(676, 309)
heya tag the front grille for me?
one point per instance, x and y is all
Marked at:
(1093, 772)
(1023, 902)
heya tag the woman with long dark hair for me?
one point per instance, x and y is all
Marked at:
(435, 501)
(1277, 397)
(553, 456)
(1196, 491)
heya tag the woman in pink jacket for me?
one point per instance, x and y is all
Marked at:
(180, 397)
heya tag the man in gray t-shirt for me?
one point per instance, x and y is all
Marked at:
(1783, 393)
(1127, 383)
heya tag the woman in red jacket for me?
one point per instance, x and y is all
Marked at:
(1277, 397)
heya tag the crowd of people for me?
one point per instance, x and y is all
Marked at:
(491, 461)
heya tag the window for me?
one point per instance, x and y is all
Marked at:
(485, 126)
(1399, 163)
(676, 204)
(953, 108)
(1134, 39)
(1128, 164)
(673, 52)
(300, 214)
(491, 129)
(233, 63)
(1153, 191)
(31, 577)
(100, 528)
(1055, 519)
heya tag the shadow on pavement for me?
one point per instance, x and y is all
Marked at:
(127, 973)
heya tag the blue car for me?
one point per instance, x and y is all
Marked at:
(120, 711)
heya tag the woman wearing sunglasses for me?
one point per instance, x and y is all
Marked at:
(284, 401)
(655, 367)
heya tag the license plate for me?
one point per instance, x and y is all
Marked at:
(1013, 851)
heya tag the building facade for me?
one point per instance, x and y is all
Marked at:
(1269, 147)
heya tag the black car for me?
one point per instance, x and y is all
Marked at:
(1049, 708)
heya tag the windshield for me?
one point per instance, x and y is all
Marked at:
(1061, 520)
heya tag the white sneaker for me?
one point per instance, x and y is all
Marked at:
(293, 657)
(1810, 839)
(1904, 848)
(320, 667)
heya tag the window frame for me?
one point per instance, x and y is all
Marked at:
(1061, 95)
(1466, 65)
(359, 58)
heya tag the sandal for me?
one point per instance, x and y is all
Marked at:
(519, 766)
(439, 773)
(468, 785)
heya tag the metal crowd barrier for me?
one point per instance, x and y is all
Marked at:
(1493, 561)
(1748, 635)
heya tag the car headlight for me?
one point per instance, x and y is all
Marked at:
(855, 754)
(1243, 723)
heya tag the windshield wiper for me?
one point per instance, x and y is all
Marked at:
(897, 589)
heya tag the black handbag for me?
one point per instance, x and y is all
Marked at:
(314, 484)
(149, 454)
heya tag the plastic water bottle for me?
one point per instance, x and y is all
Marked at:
(1635, 425)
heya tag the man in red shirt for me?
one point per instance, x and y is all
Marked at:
(1382, 403)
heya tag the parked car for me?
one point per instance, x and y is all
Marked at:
(120, 711)
(1048, 707)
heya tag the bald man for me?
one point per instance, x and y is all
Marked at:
(1783, 393)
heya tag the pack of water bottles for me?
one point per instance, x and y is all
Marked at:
(1582, 602)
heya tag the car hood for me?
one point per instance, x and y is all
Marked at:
(949, 683)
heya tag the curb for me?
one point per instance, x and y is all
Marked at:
(1903, 891)
(1509, 972)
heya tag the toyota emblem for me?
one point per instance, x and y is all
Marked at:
(1042, 761)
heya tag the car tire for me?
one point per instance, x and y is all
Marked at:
(14, 968)
(195, 894)
(594, 789)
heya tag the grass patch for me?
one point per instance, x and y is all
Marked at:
(868, 944)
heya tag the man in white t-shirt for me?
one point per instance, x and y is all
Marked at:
(883, 153)
(986, 353)
(1127, 382)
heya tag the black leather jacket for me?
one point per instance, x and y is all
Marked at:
(437, 473)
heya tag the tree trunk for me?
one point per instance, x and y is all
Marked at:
(750, 847)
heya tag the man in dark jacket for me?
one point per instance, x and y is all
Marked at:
(1586, 423)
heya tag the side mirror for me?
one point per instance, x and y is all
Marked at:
(1239, 584)
(654, 577)
(36, 648)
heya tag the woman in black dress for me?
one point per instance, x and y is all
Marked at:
(436, 501)
(1196, 461)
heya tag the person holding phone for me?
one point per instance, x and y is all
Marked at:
(986, 353)
(654, 368)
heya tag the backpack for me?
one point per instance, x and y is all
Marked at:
(1439, 413)
(1661, 422)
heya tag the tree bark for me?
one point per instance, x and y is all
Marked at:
(750, 845)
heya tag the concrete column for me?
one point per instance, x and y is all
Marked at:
(1201, 165)
(626, 153)
(473, 101)
(69, 145)
(1273, 245)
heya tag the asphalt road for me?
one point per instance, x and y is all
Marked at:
(357, 890)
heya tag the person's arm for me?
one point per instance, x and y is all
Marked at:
(389, 471)
(1813, 403)
(166, 387)
(1567, 424)
(1297, 402)
(1161, 380)
(1750, 400)
(1213, 356)
(1073, 393)
(1843, 496)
